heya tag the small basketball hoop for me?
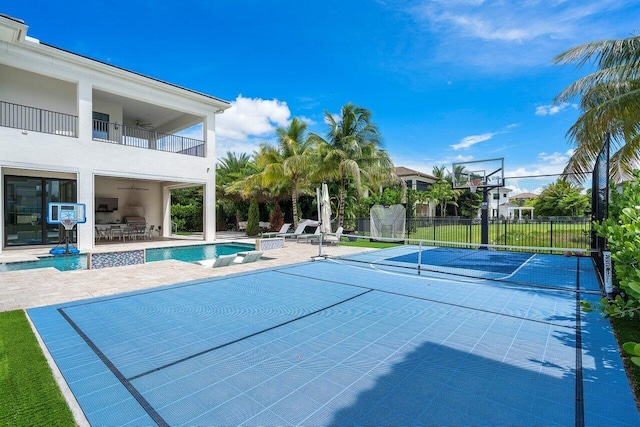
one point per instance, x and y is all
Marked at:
(68, 224)
(473, 184)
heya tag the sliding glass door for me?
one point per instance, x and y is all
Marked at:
(25, 201)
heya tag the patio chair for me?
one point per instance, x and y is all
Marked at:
(298, 231)
(221, 261)
(306, 237)
(283, 230)
(334, 237)
(247, 257)
(120, 233)
(100, 234)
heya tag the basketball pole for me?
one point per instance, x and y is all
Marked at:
(484, 219)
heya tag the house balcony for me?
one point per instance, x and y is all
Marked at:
(37, 120)
(40, 120)
(136, 136)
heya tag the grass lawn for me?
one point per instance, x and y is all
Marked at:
(629, 330)
(363, 243)
(559, 235)
(29, 395)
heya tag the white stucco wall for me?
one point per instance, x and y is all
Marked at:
(47, 78)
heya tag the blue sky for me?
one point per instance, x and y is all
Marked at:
(446, 80)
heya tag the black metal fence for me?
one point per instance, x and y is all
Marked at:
(37, 120)
(600, 200)
(553, 232)
(136, 137)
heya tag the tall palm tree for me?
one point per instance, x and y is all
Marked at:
(287, 165)
(610, 103)
(352, 149)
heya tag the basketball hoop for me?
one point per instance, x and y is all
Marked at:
(473, 184)
(68, 224)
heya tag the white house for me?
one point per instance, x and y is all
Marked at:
(498, 199)
(73, 129)
(418, 181)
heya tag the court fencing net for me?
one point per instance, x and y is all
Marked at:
(554, 268)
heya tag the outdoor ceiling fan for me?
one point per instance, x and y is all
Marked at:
(133, 188)
(140, 124)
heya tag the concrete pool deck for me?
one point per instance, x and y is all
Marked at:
(40, 287)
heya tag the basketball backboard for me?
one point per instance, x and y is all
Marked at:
(487, 173)
(58, 212)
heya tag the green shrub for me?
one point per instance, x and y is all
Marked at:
(253, 222)
(622, 231)
(187, 217)
(276, 219)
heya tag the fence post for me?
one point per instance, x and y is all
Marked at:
(505, 232)
(434, 229)
(551, 232)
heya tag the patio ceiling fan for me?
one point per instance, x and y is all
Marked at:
(140, 124)
(133, 188)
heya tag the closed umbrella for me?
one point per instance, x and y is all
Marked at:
(325, 209)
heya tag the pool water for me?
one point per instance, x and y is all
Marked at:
(181, 253)
(62, 263)
(196, 252)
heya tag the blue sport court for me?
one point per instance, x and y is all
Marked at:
(364, 340)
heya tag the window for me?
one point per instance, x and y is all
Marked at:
(26, 201)
(100, 125)
(422, 186)
(496, 196)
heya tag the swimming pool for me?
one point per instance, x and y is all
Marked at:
(190, 253)
(62, 263)
(194, 253)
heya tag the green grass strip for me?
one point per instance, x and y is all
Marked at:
(29, 395)
(629, 330)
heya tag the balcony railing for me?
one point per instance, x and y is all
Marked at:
(132, 136)
(37, 120)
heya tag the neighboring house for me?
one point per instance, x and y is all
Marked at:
(73, 129)
(522, 198)
(421, 182)
(502, 206)
(498, 199)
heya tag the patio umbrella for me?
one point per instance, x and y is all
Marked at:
(325, 209)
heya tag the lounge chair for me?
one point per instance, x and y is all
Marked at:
(334, 237)
(306, 237)
(283, 230)
(221, 261)
(300, 229)
(246, 257)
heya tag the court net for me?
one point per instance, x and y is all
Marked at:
(558, 268)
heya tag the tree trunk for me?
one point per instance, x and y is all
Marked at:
(343, 190)
(294, 204)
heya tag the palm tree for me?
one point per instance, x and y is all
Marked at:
(231, 172)
(287, 165)
(610, 103)
(352, 150)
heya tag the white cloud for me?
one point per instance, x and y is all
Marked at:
(248, 123)
(550, 110)
(498, 34)
(251, 117)
(555, 158)
(469, 141)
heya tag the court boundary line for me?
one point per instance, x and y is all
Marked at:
(433, 301)
(144, 403)
(209, 350)
(579, 405)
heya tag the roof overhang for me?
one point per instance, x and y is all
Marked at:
(12, 30)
